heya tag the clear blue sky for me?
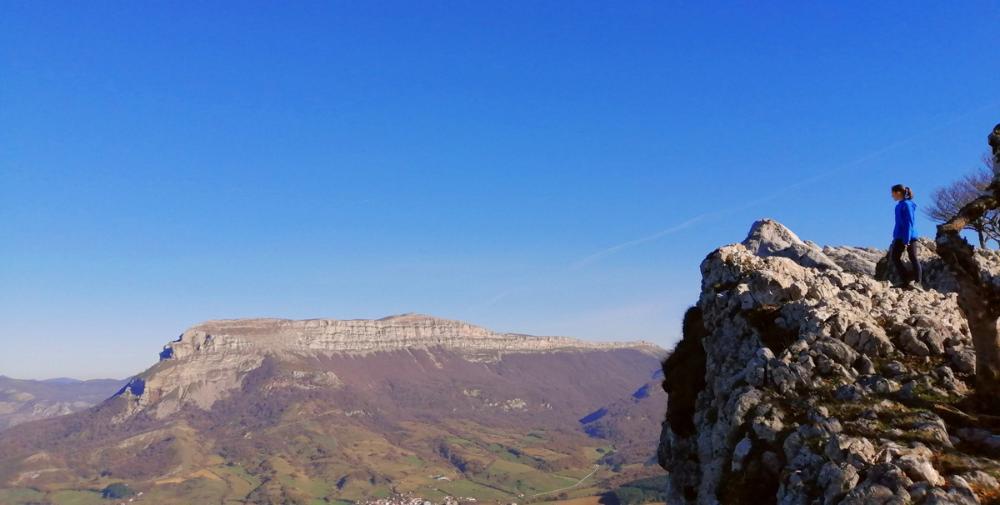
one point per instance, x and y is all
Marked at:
(163, 163)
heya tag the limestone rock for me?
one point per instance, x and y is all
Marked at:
(814, 374)
(770, 238)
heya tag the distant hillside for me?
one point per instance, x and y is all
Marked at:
(279, 411)
(30, 400)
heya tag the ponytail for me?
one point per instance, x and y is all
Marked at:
(904, 190)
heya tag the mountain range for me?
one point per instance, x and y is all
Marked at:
(324, 411)
(28, 400)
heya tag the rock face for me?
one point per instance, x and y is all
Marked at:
(361, 336)
(210, 360)
(823, 384)
(29, 400)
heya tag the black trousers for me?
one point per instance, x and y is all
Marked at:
(896, 255)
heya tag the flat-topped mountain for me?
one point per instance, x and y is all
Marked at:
(282, 411)
(209, 360)
(405, 331)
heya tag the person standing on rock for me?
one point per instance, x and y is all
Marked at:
(904, 237)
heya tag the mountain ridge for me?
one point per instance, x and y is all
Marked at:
(347, 410)
(409, 330)
(217, 354)
(24, 400)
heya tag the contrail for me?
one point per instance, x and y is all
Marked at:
(604, 253)
(496, 298)
(781, 191)
(639, 241)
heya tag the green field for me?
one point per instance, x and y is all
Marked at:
(321, 464)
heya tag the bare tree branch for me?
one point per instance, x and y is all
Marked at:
(979, 300)
(946, 202)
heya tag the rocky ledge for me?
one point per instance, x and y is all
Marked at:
(804, 377)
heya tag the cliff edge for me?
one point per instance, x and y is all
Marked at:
(804, 377)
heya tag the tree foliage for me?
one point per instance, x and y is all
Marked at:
(116, 491)
(648, 490)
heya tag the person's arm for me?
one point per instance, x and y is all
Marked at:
(898, 225)
(905, 222)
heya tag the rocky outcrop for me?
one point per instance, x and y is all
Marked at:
(768, 238)
(823, 384)
(210, 360)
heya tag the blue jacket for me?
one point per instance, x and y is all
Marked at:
(906, 217)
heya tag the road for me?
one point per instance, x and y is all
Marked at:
(585, 477)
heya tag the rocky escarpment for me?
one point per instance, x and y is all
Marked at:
(359, 336)
(210, 360)
(823, 384)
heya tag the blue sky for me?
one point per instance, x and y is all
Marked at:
(527, 166)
